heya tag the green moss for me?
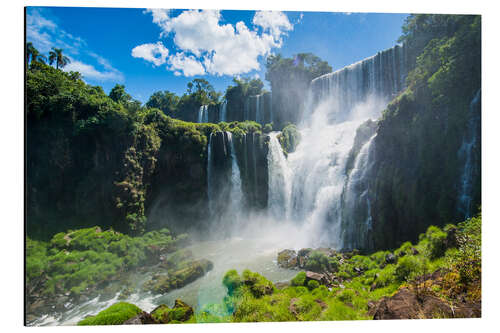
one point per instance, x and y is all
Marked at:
(116, 314)
(232, 280)
(312, 284)
(299, 279)
(289, 138)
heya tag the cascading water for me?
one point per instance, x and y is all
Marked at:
(236, 194)
(339, 103)
(223, 111)
(279, 180)
(210, 175)
(258, 109)
(356, 202)
(466, 151)
(203, 114)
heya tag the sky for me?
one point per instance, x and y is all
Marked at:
(148, 50)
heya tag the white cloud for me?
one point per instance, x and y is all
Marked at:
(90, 72)
(188, 65)
(155, 53)
(44, 33)
(207, 45)
(275, 22)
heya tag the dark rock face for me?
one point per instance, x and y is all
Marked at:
(251, 152)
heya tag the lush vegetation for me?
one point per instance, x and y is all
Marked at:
(445, 264)
(77, 262)
(361, 280)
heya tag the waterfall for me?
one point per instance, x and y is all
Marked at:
(382, 75)
(236, 193)
(279, 180)
(223, 111)
(203, 114)
(210, 175)
(356, 202)
(466, 153)
(258, 109)
(319, 195)
(246, 110)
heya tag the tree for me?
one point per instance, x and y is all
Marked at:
(32, 54)
(57, 56)
(119, 95)
(165, 101)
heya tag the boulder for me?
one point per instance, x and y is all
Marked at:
(181, 312)
(190, 271)
(390, 258)
(405, 304)
(321, 278)
(287, 259)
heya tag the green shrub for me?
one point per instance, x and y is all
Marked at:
(268, 128)
(232, 281)
(116, 314)
(403, 249)
(317, 262)
(437, 242)
(312, 284)
(410, 266)
(299, 279)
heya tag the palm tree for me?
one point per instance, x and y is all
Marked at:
(29, 51)
(57, 56)
(33, 54)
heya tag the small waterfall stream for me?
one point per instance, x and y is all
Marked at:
(466, 151)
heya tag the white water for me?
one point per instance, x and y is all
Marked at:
(210, 175)
(469, 145)
(236, 194)
(223, 111)
(258, 109)
(203, 114)
(279, 176)
(337, 104)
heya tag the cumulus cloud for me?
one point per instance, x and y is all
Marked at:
(206, 45)
(187, 65)
(45, 33)
(275, 22)
(155, 53)
(90, 72)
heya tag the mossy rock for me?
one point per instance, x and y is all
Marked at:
(287, 259)
(190, 271)
(116, 314)
(181, 312)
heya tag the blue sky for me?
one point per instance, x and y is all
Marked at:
(160, 49)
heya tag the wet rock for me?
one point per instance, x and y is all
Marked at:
(142, 318)
(390, 258)
(287, 259)
(316, 277)
(163, 283)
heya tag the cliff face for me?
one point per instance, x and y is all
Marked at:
(427, 150)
